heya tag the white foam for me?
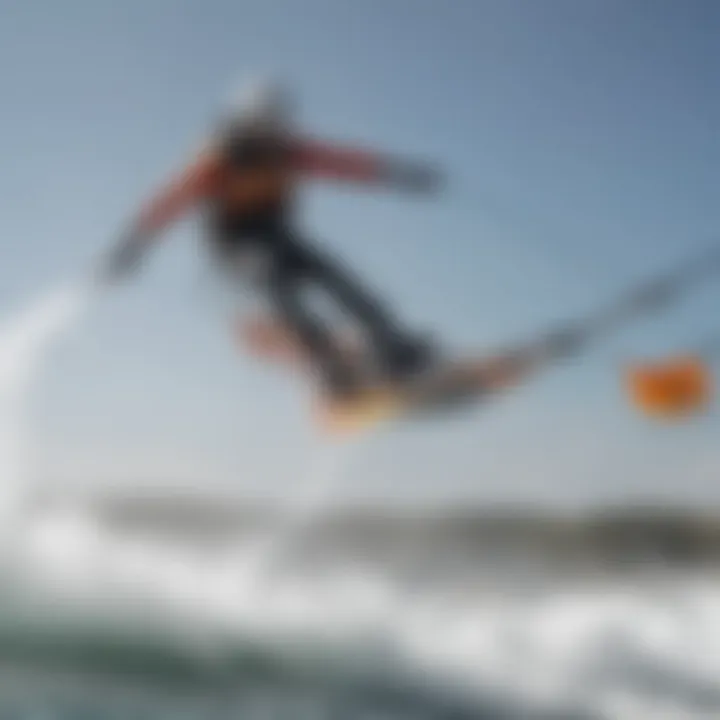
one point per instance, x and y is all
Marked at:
(600, 647)
(25, 338)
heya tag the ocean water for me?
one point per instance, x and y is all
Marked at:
(135, 610)
(99, 620)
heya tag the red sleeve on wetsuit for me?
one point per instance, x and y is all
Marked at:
(179, 196)
(339, 163)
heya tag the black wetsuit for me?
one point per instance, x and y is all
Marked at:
(292, 262)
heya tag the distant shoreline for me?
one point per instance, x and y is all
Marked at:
(621, 536)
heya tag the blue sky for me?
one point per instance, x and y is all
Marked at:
(580, 142)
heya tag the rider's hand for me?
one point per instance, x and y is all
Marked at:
(124, 259)
(414, 177)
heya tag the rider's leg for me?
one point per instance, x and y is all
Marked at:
(285, 281)
(396, 351)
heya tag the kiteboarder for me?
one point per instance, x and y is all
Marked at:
(245, 180)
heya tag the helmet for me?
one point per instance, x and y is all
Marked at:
(261, 103)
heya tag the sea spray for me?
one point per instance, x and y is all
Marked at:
(25, 338)
(70, 552)
(305, 502)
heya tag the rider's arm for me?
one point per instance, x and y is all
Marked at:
(179, 196)
(318, 159)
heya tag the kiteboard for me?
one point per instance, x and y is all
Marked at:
(449, 386)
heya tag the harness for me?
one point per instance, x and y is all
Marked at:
(256, 188)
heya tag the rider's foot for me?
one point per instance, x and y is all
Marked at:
(340, 387)
(409, 358)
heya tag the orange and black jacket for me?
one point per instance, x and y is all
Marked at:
(235, 185)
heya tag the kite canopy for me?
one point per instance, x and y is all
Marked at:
(671, 389)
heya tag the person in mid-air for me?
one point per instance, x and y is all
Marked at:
(245, 180)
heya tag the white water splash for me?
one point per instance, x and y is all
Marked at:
(597, 646)
(25, 338)
(66, 548)
(329, 463)
(71, 552)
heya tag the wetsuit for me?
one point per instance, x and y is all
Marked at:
(246, 184)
